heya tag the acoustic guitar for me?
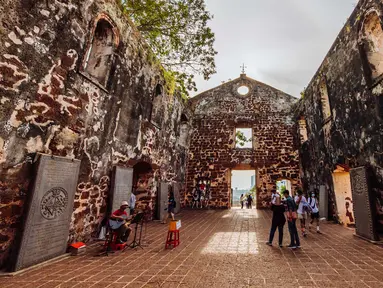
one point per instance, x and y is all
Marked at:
(114, 224)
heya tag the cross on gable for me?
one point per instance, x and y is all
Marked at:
(243, 67)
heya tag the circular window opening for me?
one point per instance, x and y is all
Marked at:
(243, 90)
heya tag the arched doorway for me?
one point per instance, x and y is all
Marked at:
(343, 195)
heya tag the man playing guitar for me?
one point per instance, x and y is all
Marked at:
(119, 221)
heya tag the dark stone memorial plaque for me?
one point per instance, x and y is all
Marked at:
(122, 187)
(162, 200)
(177, 189)
(49, 212)
(363, 200)
(323, 202)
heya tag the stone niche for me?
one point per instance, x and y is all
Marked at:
(162, 200)
(50, 207)
(122, 187)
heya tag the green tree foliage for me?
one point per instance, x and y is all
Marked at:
(282, 189)
(178, 33)
(241, 139)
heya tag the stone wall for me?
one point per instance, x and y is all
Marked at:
(342, 106)
(217, 113)
(77, 80)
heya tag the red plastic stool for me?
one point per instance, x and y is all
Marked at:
(176, 241)
(113, 245)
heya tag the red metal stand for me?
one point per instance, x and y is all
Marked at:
(173, 240)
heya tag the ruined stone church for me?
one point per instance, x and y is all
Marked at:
(87, 117)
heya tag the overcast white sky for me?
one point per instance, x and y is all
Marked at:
(282, 42)
(241, 179)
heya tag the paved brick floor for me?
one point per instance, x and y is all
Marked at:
(220, 249)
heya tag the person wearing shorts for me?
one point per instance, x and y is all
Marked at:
(300, 200)
(170, 208)
(313, 202)
(195, 196)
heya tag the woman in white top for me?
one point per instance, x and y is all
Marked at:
(301, 201)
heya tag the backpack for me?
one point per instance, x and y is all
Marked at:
(307, 208)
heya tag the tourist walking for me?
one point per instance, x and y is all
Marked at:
(241, 200)
(171, 206)
(249, 202)
(301, 201)
(278, 220)
(313, 202)
(195, 196)
(291, 215)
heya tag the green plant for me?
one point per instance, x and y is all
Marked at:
(178, 33)
(241, 139)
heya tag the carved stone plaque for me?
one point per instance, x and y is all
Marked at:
(162, 200)
(49, 211)
(362, 200)
(176, 189)
(323, 202)
(121, 187)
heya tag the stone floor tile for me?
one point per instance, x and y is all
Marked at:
(100, 284)
(117, 285)
(50, 284)
(135, 284)
(84, 284)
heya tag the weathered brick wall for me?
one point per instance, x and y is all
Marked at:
(212, 151)
(353, 133)
(49, 105)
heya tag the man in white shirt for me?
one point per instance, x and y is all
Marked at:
(132, 202)
(275, 198)
(302, 214)
(313, 202)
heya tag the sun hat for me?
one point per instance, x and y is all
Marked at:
(124, 203)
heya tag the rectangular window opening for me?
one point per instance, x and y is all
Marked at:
(243, 138)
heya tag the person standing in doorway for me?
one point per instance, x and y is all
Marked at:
(250, 201)
(291, 215)
(313, 202)
(241, 199)
(301, 201)
(278, 220)
(132, 202)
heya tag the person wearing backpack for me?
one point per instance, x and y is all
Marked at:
(313, 202)
(291, 215)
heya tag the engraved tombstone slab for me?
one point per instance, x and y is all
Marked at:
(122, 187)
(176, 189)
(323, 202)
(163, 199)
(50, 210)
(362, 200)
